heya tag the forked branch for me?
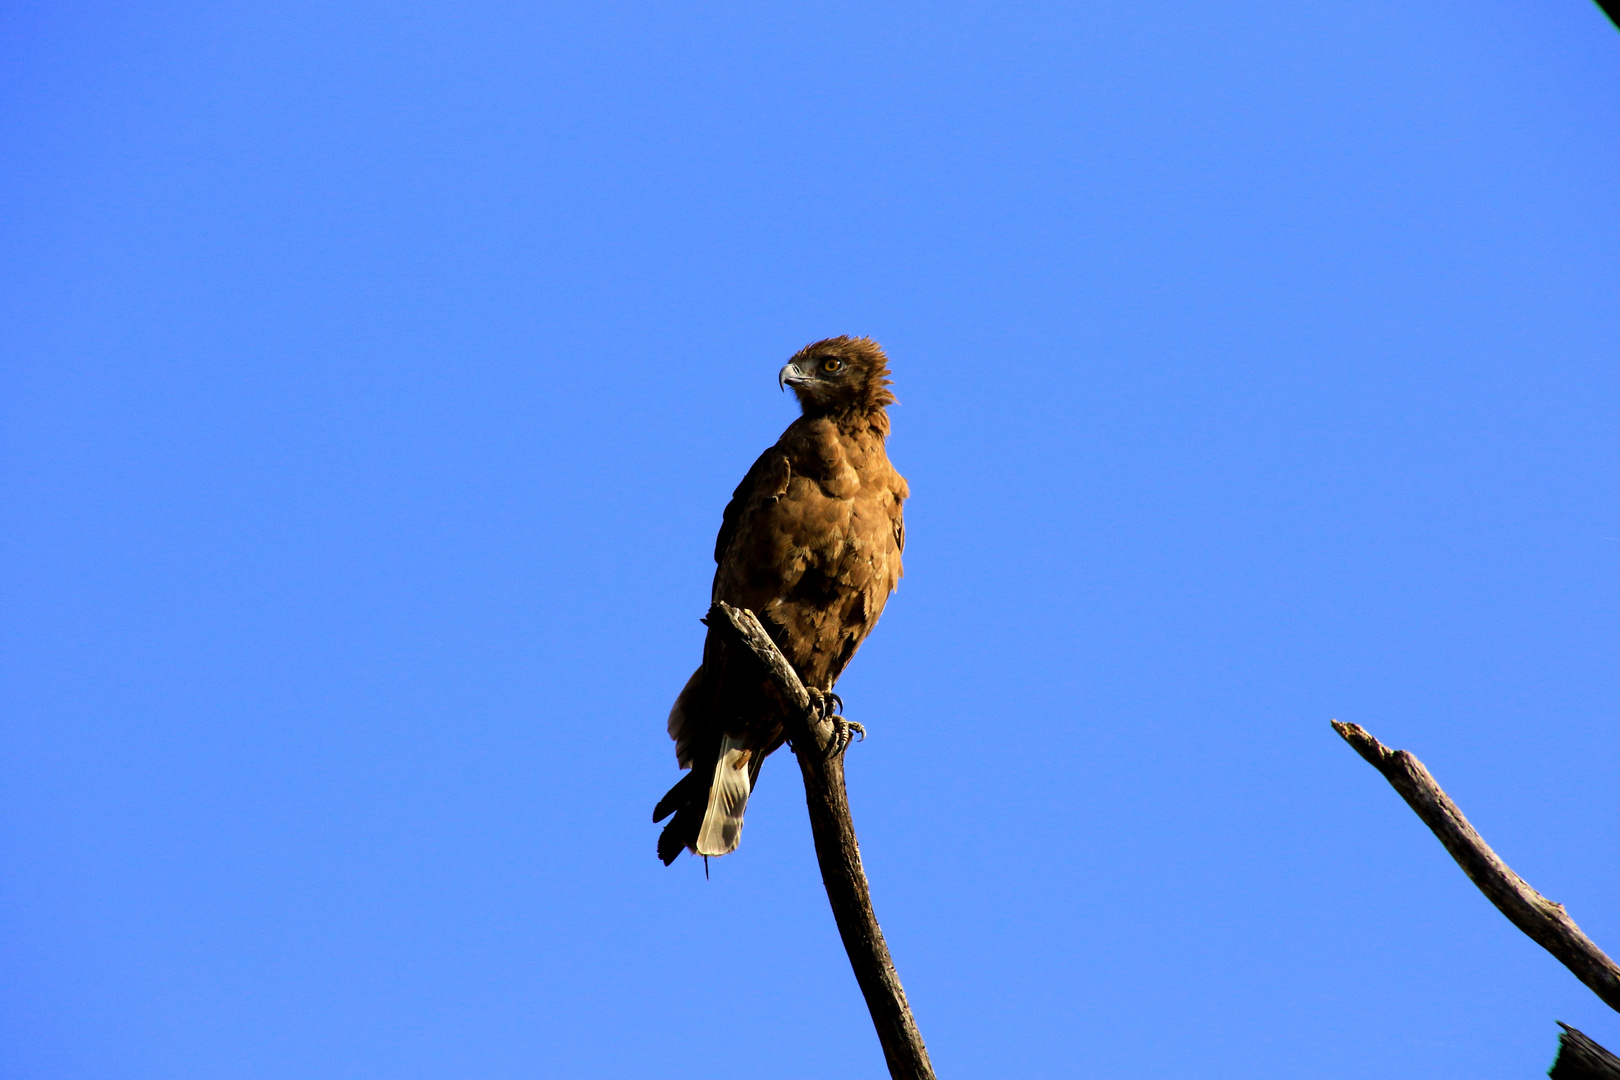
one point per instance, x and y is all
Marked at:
(839, 856)
(1547, 924)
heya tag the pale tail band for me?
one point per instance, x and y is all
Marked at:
(728, 796)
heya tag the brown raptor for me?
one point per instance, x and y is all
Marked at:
(811, 542)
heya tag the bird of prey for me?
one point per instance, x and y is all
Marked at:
(811, 543)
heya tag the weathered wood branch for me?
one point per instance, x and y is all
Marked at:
(1546, 923)
(1579, 1058)
(836, 850)
(1611, 8)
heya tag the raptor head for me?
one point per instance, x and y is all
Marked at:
(839, 375)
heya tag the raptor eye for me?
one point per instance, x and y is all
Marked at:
(831, 364)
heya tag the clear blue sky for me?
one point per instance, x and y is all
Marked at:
(374, 376)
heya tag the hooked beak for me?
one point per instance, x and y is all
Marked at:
(788, 376)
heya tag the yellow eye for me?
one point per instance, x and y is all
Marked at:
(831, 364)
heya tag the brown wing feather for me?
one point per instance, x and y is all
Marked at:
(764, 478)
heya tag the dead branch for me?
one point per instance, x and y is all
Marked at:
(1611, 8)
(1579, 1058)
(836, 850)
(1546, 923)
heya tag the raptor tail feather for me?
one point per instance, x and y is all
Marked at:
(728, 797)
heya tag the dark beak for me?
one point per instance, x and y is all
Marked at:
(788, 376)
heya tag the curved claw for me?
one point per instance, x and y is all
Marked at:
(844, 733)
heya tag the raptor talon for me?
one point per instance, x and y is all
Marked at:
(824, 704)
(844, 733)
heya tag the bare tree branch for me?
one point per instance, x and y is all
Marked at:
(1547, 924)
(836, 850)
(1579, 1058)
(1611, 8)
